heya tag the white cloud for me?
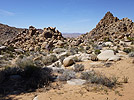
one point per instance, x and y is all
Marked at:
(6, 13)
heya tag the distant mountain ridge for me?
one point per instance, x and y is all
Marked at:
(8, 32)
(71, 35)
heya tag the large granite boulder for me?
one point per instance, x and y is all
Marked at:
(68, 61)
(108, 55)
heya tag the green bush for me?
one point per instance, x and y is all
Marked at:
(130, 38)
(127, 50)
(107, 39)
(11, 48)
(97, 51)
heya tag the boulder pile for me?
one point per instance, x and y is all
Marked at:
(34, 40)
(111, 28)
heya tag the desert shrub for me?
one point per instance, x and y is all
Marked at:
(94, 58)
(11, 48)
(107, 64)
(31, 78)
(132, 43)
(36, 77)
(53, 58)
(27, 53)
(130, 38)
(49, 59)
(131, 54)
(23, 62)
(78, 67)
(11, 54)
(58, 70)
(87, 75)
(67, 75)
(125, 79)
(2, 76)
(81, 49)
(97, 51)
(127, 50)
(96, 47)
(12, 71)
(98, 78)
(73, 50)
(107, 39)
(7, 52)
(61, 59)
(51, 52)
(59, 50)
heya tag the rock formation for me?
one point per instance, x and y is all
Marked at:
(34, 40)
(111, 27)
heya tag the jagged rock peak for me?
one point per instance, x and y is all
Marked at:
(107, 19)
(108, 15)
(111, 27)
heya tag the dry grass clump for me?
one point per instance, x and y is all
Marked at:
(131, 54)
(49, 59)
(125, 79)
(23, 62)
(128, 50)
(98, 78)
(67, 75)
(78, 67)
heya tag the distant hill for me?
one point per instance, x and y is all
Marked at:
(7, 32)
(71, 35)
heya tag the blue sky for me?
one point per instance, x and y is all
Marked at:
(67, 15)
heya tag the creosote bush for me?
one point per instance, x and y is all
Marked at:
(23, 62)
(107, 39)
(130, 38)
(78, 67)
(73, 50)
(97, 51)
(128, 50)
(131, 54)
(30, 78)
(67, 75)
(97, 78)
(94, 58)
(49, 59)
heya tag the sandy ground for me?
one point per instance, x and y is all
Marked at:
(119, 69)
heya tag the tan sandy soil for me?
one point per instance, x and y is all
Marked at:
(119, 69)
